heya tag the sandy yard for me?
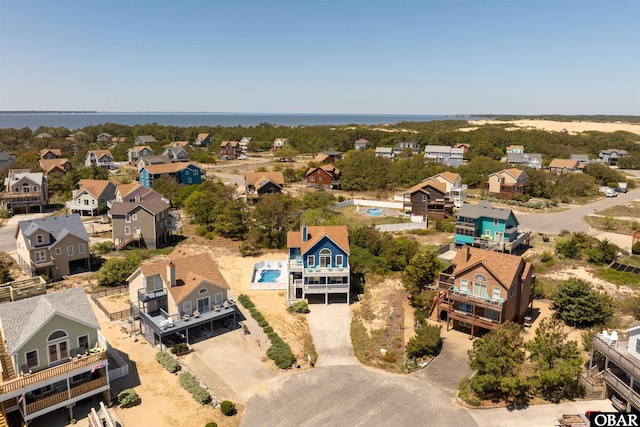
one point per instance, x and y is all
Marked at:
(553, 126)
(163, 401)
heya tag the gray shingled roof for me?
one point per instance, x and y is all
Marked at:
(22, 319)
(580, 157)
(155, 206)
(57, 226)
(518, 157)
(483, 209)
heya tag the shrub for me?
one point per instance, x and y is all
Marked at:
(280, 352)
(545, 238)
(4, 213)
(180, 349)
(103, 247)
(167, 361)
(267, 329)
(211, 424)
(546, 256)
(299, 307)
(636, 248)
(426, 342)
(115, 271)
(228, 408)
(263, 323)
(189, 383)
(128, 397)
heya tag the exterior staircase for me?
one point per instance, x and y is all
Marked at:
(434, 312)
(7, 365)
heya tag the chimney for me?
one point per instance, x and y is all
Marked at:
(304, 233)
(171, 273)
(466, 252)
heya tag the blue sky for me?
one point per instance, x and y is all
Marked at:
(317, 56)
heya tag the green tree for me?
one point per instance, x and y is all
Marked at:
(605, 252)
(557, 360)
(568, 248)
(285, 154)
(421, 271)
(115, 271)
(274, 215)
(168, 187)
(497, 359)
(579, 305)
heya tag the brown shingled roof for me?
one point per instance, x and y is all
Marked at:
(504, 267)
(93, 186)
(55, 151)
(254, 178)
(48, 165)
(449, 176)
(125, 189)
(564, 163)
(338, 233)
(440, 186)
(232, 143)
(191, 270)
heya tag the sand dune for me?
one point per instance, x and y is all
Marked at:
(571, 127)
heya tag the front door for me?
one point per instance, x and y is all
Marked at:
(499, 236)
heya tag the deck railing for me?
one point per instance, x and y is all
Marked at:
(67, 394)
(27, 380)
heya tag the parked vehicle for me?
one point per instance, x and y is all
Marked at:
(574, 420)
(622, 187)
(608, 191)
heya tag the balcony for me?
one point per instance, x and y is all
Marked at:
(622, 388)
(329, 288)
(483, 322)
(490, 303)
(145, 295)
(74, 393)
(73, 205)
(619, 356)
(15, 386)
(326, 271)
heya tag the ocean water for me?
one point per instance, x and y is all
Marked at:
(74, 121)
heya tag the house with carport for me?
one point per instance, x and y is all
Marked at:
(182, 299)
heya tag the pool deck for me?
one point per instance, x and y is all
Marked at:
(280, 283)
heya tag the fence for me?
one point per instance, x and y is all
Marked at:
(120, 372)
(402, 227)
(370, 203)
(122, 314)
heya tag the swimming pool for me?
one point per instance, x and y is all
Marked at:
(269, 276)
(374, 211)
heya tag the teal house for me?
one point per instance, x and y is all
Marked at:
(183, 173)
(482, 225)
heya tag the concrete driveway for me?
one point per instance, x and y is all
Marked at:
(231, 366)
(330, 326)
(352, 396)
(450, 365)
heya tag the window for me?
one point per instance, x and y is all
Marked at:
(325, 257)
(339, 260)
(157, 283)
(465, 324)
(81, 377)
(127, 218)
(204, 304)
(495, 222)
(81, 248)
(70, 250)
(83, 343)
(41, 256)
(463, 285)
(189, 180)
(195, 173)
(102, 201)
(512, 290)
(638, 346)
(424, 197)
(127, 230)
(39, 239)
(58, 251)
(218, 298)
(312, 178)
(186, 307)
(467, 308)
(492, 314)
(496, 293)
(311, 261)
(480, 277)
(86, 202)
(31, 357)
(479, 289)
(35, 188)
(134, 217)
(186, 172)
(203, 291)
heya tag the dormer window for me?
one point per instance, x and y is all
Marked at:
(39, 239)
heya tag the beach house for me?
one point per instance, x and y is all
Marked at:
(24, 191)
(319, 264)
(483, 289)
(508, 183)
(182, 173)
(183, 296)
(53, 356)
(92, 196)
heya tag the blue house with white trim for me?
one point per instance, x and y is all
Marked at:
(183, 173)
(484, 225)
(319, 264)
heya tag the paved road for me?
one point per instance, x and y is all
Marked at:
(352, 396)
(330, 326)
(571, 218)
(7, 233)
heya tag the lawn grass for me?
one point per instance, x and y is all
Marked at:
(631, 209)
(611, 224)
(620, 278)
